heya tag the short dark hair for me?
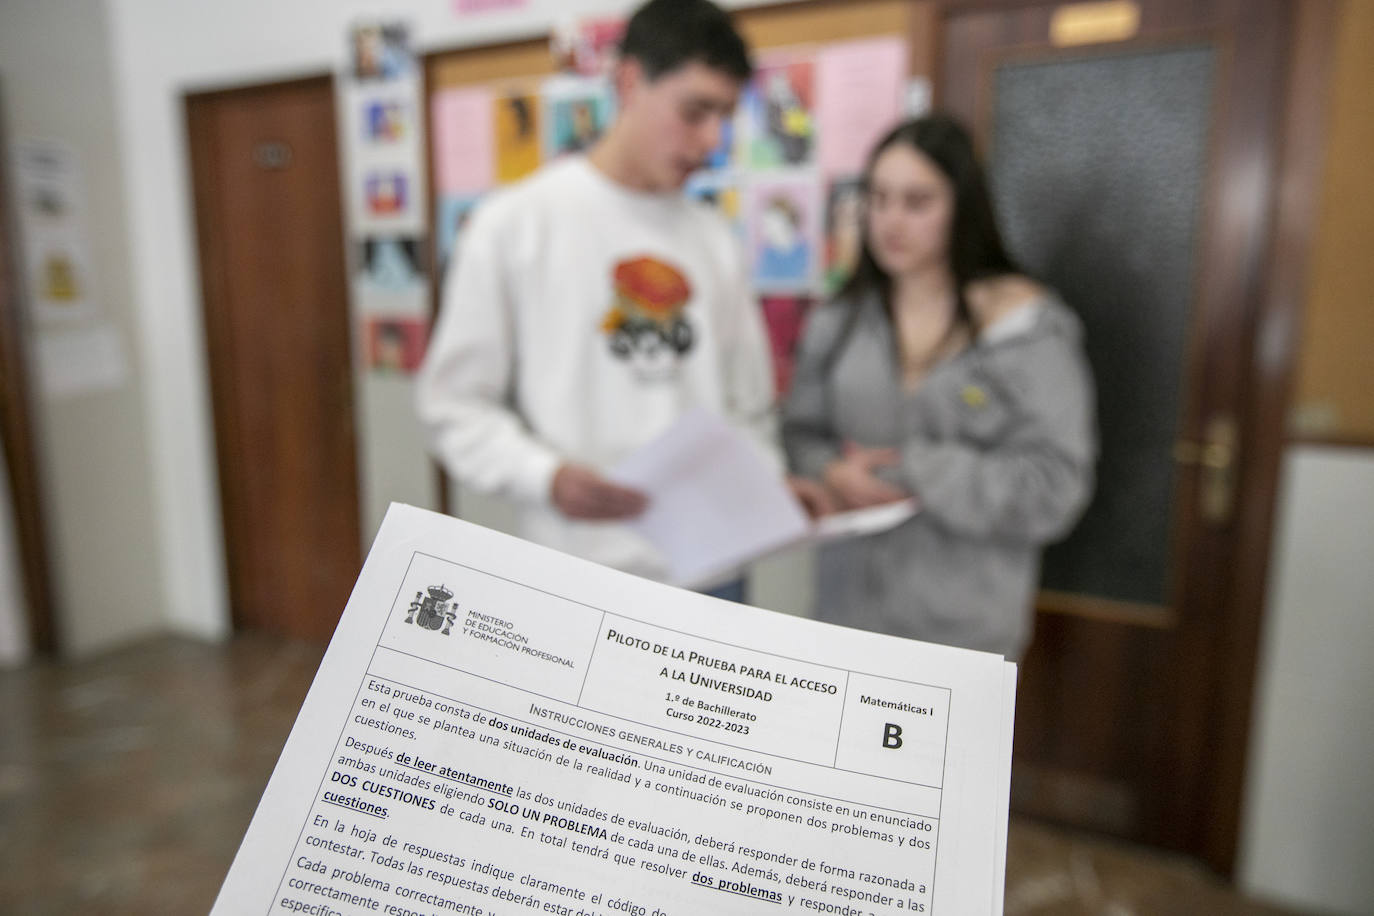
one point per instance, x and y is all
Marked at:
(664, 35)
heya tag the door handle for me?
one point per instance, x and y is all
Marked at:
(1216, 456)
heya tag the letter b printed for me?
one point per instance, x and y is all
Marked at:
(892, 736)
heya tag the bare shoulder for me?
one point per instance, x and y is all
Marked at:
(992, 299)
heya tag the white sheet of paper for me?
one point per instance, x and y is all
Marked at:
(1003, 790)
(499, 728)
(714, 503)
(858, 522)
(81, 360)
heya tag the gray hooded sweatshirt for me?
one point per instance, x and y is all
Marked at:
(998, 445)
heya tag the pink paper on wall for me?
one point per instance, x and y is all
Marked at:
(476, 7)
(464, 148)
(858, 98)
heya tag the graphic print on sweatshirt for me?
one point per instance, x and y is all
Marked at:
(647, 324)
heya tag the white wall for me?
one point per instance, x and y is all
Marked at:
(92, 448)
(1308, 835)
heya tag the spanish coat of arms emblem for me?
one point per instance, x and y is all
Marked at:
(432, 612)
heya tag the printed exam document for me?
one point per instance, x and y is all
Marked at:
(717, 505)
(498, 728)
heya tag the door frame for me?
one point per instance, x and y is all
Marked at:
(18, 433)
(1281, 298)
(213, 289)
(1207, 787)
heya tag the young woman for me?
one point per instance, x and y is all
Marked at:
(939, 372)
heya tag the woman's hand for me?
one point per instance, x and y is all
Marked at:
(853, 482)
(813, 495)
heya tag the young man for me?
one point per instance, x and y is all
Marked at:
(593, 304)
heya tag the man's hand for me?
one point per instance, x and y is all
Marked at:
(852, 480)
(581, 493)
(812, 494)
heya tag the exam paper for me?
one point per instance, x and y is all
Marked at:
(858, 522)
(497, 728)
(716, 505)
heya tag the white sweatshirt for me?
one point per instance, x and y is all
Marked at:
(581, 319)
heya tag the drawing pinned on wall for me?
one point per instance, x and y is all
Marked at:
(578, 112)
(381, 51)
(784, 231)
(722, 191)
(517, 123)
(723, 156)
(391, 263)
(59, 275)
(779, 106)
(385, 120)
(452, 213)
(844, 209)
(395, 344)
(587, 46)
(785, 319)
(386, 192)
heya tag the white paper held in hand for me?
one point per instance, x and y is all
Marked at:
(714, 502)
(500, 728)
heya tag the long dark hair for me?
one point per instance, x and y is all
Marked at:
(975, 245)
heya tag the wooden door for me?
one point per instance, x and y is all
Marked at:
(268, 214)
(1137, 177)
(17, 437)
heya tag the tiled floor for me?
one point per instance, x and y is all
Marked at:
(127, 782)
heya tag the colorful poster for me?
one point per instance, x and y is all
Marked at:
(785, 318)
(452, 213)
(723, 156)
(860, 86)
(578, 111)
(588, 46)
(395, 344)
(381, 51)
(391, 263)
(784, 230)
(517, 121)
(722, 191)
(779, 111)
(385, 120)
(843, 232)
(386, 192)
(463, 145)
